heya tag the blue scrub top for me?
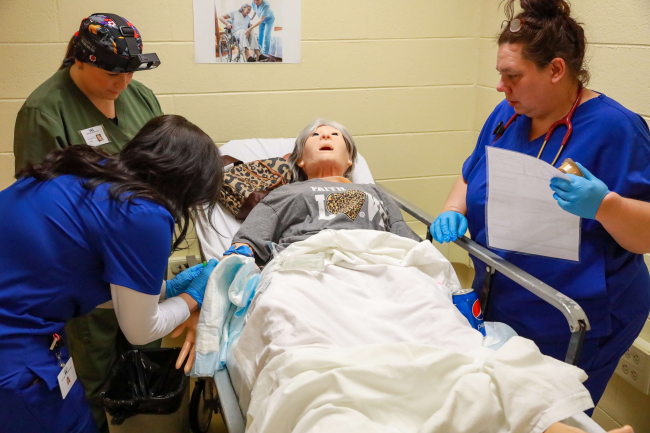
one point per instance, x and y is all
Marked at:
(60, 249)
(614, 144)
(263, 10)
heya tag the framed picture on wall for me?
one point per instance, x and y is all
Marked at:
(247, 31)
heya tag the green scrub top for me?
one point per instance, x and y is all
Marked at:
(55, 113)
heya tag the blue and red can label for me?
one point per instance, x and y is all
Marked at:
(468, 304)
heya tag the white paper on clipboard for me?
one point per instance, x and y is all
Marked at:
(522, 214)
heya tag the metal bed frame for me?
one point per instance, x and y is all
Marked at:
(225, 400)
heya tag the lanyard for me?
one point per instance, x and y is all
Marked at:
(57, 344)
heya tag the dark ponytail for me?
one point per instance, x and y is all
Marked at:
(550, 32)
(170, 161)
(69, 53)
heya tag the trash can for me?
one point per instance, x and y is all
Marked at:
(145, 392)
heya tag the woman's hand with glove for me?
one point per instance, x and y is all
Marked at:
(448, 227)
(580, 196)
(196, 288)
(182, 281)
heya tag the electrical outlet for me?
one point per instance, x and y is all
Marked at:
(634, 366)
(177, 265)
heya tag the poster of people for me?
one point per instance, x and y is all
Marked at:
(247, 31)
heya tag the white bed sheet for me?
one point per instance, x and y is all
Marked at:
(373, 335)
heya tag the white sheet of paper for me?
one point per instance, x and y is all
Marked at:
(522, 214)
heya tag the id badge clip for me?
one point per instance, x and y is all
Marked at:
(68, 375)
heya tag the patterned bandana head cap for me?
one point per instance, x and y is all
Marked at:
(100, 32)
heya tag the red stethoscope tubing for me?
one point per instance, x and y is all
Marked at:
(566, 121)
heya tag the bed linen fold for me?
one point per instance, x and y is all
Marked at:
(374, 343)
(227, 296)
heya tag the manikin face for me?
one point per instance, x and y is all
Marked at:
(325, 154)
(101, 83)
(527, 88)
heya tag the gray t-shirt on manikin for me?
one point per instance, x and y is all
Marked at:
(296, 211)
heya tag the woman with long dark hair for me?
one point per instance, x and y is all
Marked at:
(83, 228)
(91, 100)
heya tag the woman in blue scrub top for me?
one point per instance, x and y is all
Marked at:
(262, 8)
(540, 59)
(83, 228)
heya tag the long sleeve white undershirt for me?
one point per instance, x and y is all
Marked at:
(142, 318)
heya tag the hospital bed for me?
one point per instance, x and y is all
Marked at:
(219, 396)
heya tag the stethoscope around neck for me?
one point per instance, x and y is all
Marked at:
(566, 120)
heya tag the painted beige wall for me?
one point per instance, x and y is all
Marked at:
(414, 91)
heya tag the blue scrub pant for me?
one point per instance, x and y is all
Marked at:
(600, 356)
(35, 408)
(265, 35)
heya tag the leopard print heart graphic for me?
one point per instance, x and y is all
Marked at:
(348, 203)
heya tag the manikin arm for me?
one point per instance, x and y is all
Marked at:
(558, 427)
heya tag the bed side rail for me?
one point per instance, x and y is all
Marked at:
(232, 416)
(574, 314)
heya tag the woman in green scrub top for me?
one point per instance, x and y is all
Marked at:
(91, 100)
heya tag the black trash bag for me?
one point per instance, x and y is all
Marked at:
(144, 381)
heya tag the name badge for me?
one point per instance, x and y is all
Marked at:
(67, 378)
(94, 136)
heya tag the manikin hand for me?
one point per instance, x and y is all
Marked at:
(559, 427)
(239, 249)
(190, 338)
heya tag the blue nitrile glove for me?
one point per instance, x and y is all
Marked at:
(181, 282)
(582, 195)
(448, 227)
(197, 288)
(242, 250)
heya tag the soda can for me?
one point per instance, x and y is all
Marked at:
(467, 303)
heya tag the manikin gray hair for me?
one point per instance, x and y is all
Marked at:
(298, 174)
(244, 6)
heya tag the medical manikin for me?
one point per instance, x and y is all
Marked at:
(321, 198)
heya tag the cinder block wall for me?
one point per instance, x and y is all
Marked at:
(619, 61)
